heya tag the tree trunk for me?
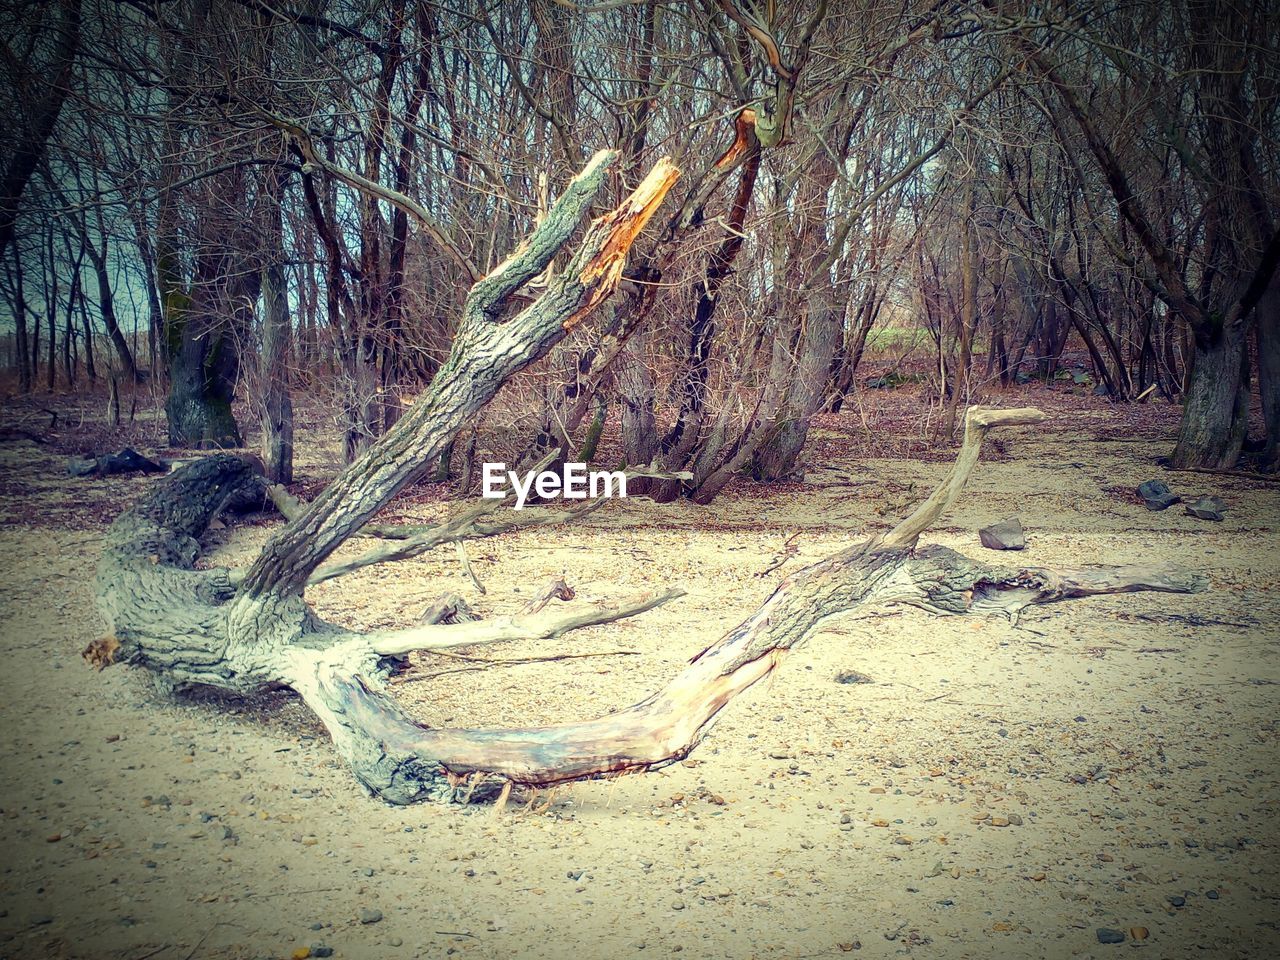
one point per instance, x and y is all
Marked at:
(806, 390)
(107, 308)
(31, 142)
(1268, 340)
(635, 386)
(277, 419)
(201, 386)
(277, 338)
(203, 328)
(20, 325)
(87, 325)
(1216, 406)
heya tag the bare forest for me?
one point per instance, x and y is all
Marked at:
(612, 477)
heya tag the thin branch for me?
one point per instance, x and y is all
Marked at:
(313, 158)
(543, 625)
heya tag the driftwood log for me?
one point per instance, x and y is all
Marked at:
(250, 631)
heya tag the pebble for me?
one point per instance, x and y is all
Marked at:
(1107, 935)
(1005, 535)
(852, 676)
(396, 942)
(368, 915)
(1207, 508)
(1139, 933)
(1212, 894)
(1157, 495)
(320, 950)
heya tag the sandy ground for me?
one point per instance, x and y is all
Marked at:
(992, 792)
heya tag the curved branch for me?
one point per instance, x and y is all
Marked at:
(978, 423)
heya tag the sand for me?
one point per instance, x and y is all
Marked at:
(991, 792)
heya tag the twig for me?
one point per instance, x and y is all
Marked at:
(461, 547)
(479, 664)
(788, 551)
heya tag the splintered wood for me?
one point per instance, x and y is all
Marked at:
(620, 228)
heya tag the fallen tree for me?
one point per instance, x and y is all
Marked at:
(248, 631)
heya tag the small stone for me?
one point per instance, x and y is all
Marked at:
(1139, 933)
(1157, 495)
(53, 838)
(41, 920)
(677, 905)
(1005, 535)
(846, 818)
(1000, 821)
(1015, 819)
(320, 950)
(1212, 894)
(368, 915)
(1206, 508)
(396, 942)
(852, 676)
(302, 953)
(1107, 935)
(1177, 902)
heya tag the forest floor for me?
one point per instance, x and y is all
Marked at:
(988, 791)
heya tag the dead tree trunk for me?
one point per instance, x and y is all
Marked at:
(247, 631)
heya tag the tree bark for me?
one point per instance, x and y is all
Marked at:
(1268, 340)
(1216, 406)
(277, 338)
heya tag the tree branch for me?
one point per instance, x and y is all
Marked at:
(978, 423)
